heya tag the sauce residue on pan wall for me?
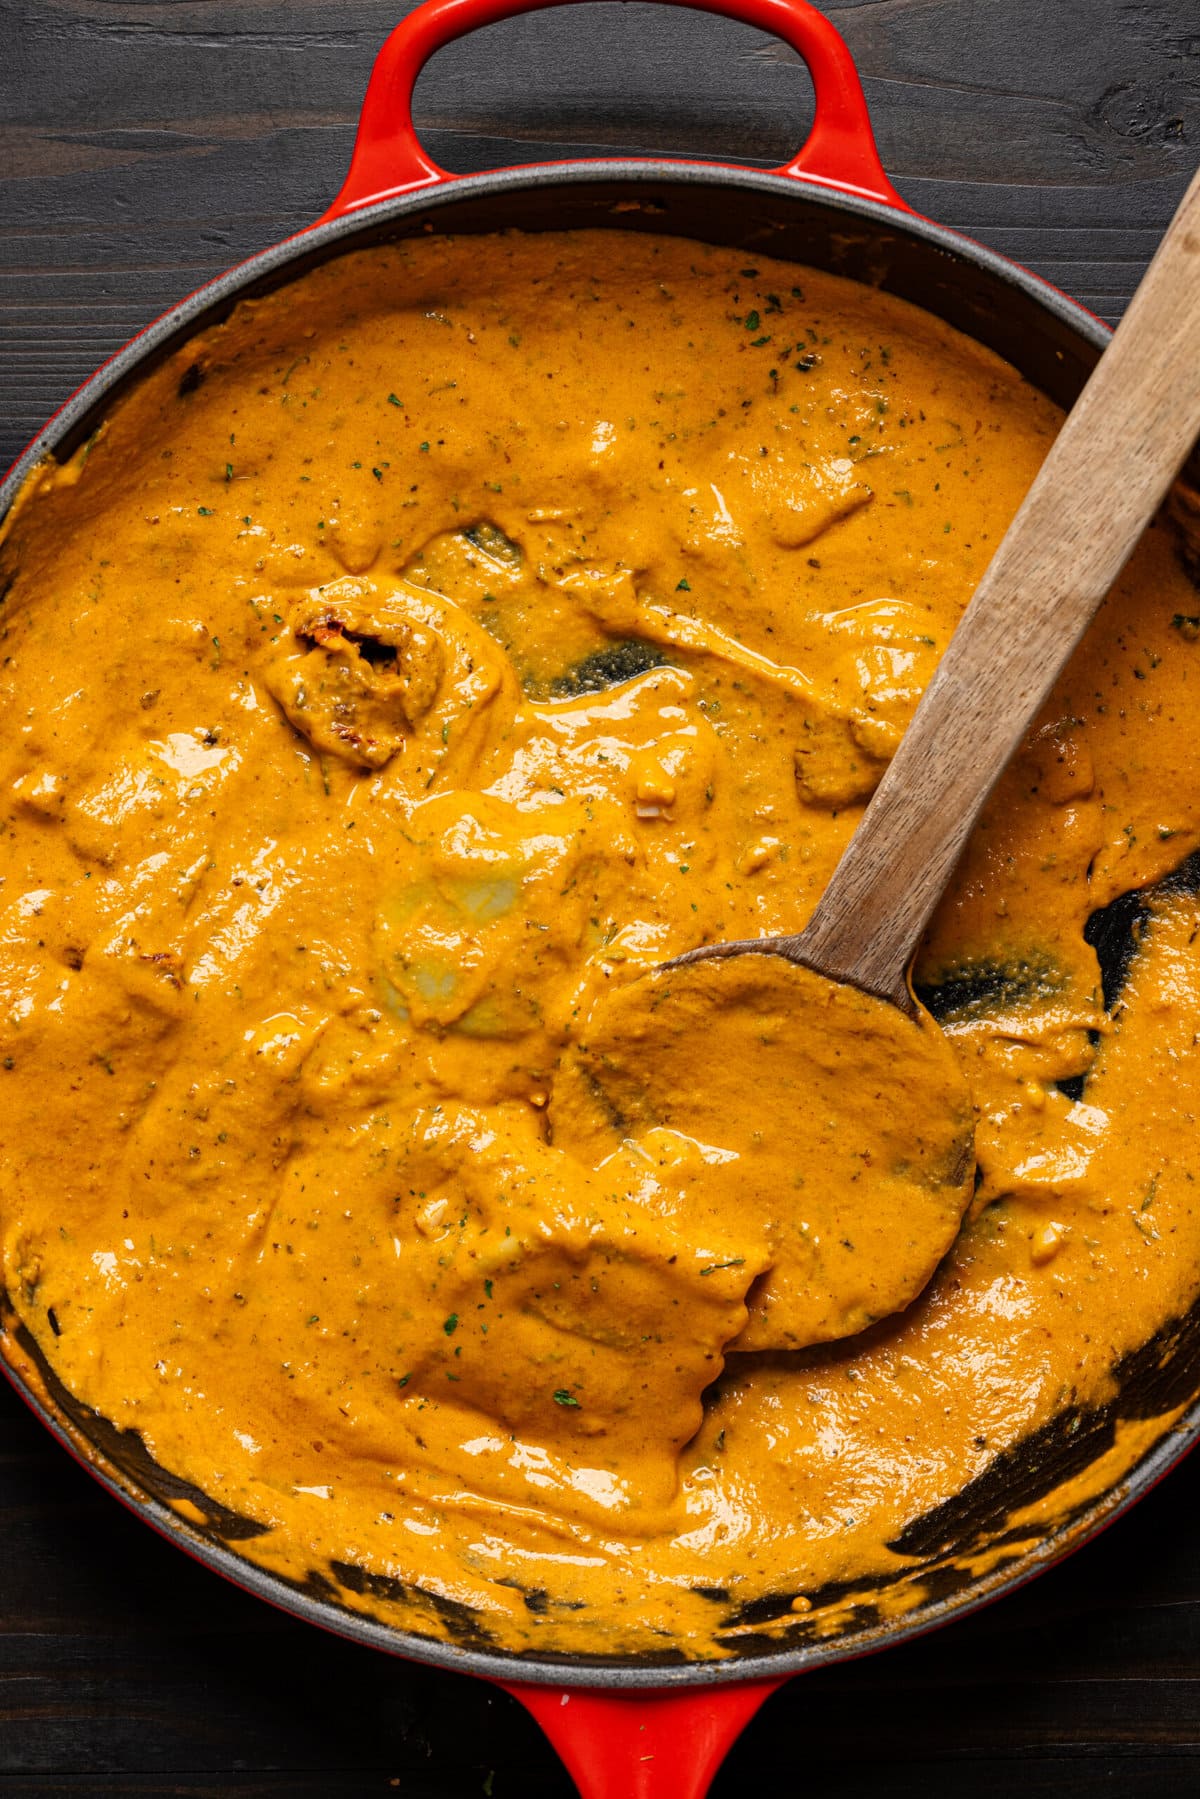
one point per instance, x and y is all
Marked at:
(427, 648)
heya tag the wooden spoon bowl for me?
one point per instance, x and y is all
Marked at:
(859, 1176)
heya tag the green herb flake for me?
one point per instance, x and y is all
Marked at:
(205, 511)
(683, 586)
(562, 1397)
(752, 321)
(451, 1324)
(716, 1267)
(393, 401)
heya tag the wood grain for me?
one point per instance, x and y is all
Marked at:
(126, 1669)
(145, 147)
(1103, 480)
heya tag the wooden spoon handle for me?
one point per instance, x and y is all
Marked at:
(1106, 473)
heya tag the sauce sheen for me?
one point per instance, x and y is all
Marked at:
(444, 642)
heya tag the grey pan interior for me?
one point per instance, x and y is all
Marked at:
(1054, 343)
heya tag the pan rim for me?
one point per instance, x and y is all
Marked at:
(596, 1673)
(272, 268)
(315, 243)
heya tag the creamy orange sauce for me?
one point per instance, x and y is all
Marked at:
(830, 1130)
(436, 646)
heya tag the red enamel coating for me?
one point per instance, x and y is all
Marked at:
(634, 1745)
(631, 1744)
(644, 1745)
(388, 157)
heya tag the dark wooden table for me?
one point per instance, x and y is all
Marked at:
(146, 146)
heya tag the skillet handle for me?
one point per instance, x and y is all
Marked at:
(635, 1745)
(389, 159)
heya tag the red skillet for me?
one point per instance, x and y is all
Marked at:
(635, 1730)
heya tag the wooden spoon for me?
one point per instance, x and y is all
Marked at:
(860, 1181)
(1106, 474)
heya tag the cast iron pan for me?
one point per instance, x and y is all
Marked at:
(645, 1727)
